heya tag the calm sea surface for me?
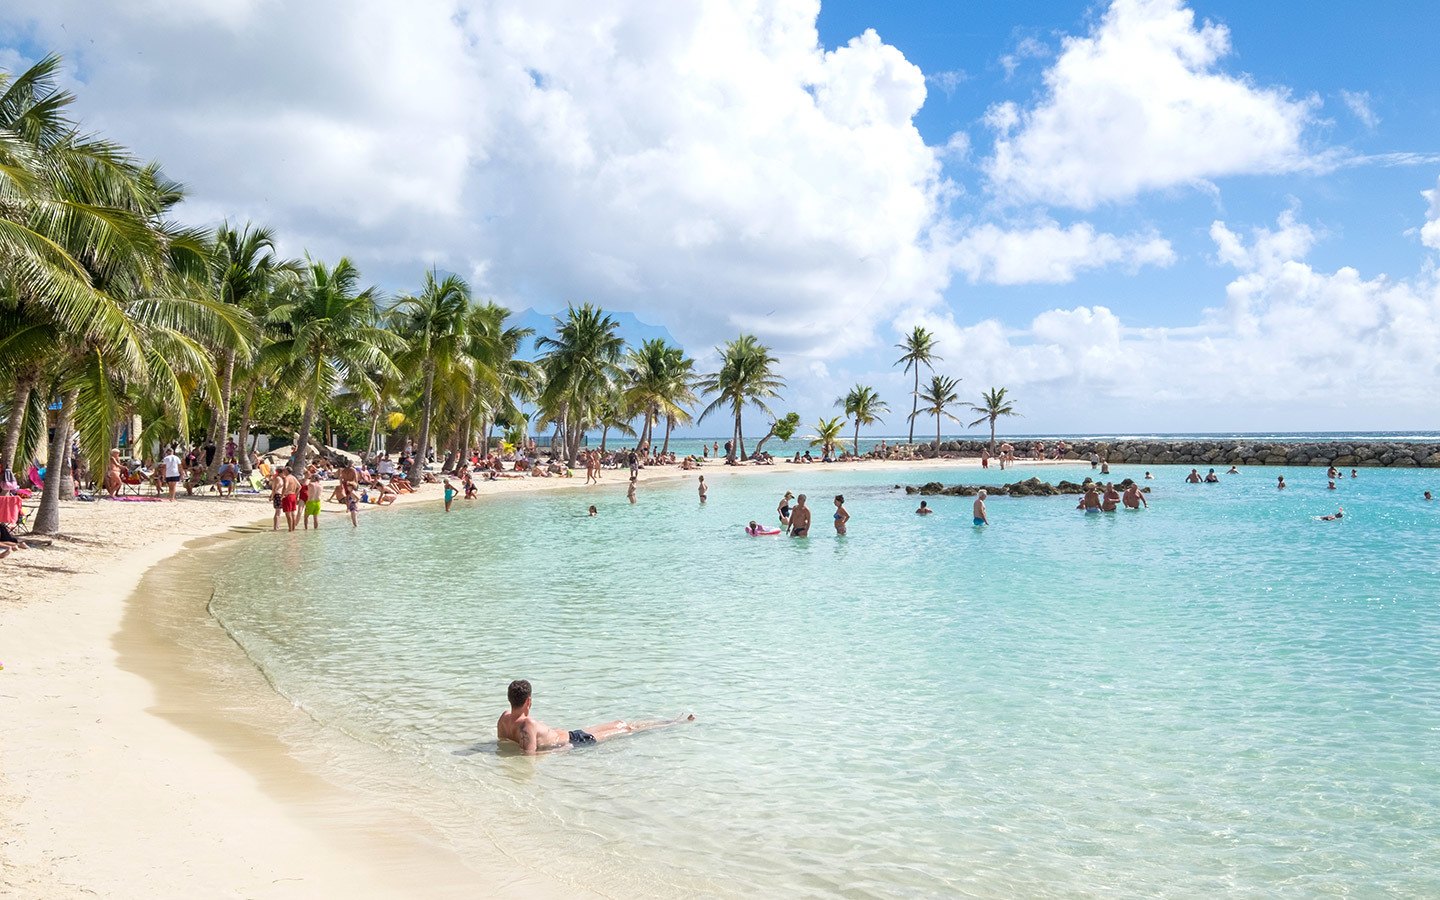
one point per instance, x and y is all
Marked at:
(1217, 695)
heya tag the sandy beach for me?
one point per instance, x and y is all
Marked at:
(129, 771)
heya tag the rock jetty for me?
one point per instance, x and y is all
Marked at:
(1341, 454)
(1030, 487)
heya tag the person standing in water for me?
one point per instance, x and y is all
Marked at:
(784, 509)
(630, 491)
(1110, 501)
(1133, 498)
(1090, 503)
(978, 514)
(450, 493)
(1280, 483)
(800, 518)
(703, 489)
(312, 502)
(841, 516)
(925, 509)
(533, 736)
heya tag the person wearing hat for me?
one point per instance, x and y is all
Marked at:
(784, 509)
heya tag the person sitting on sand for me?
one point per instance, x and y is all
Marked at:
(1193, 477)
(10, 541)
(1337, 514)
(1133, 498)
(384, 495)
(401, 485)
(978, 514)
(533, 736)
(924, 509)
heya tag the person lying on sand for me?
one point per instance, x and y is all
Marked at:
(534, 736)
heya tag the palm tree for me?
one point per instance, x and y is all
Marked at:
(580, 363)
(828, 433)
(746, 376)
(661, 386)
(433, 324)
(919, 350)
(864, 406)
(332, 330)
(992, 406)
(244, 268)
(939, 394)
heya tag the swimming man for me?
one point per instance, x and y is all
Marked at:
(534, 736)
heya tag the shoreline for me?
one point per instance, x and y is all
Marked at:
(138, 772)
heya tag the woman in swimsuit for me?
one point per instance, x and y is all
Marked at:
(784, 510)
(841, 516)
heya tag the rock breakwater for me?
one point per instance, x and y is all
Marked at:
(1341, 454)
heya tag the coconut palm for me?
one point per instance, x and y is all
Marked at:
(992, 406)
(660, 387)
(937, 395)
(864, 406)
(580, 362)
(501, 377)
(919, 350)
(746, 377)
(331, 331)
(244, 267)
(434, 326)
(828, 433)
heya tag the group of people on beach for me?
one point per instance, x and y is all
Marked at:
(796, 518)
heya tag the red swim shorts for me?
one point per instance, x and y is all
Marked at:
(288, 503)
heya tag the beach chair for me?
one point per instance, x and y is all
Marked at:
(14, 514)
(130, 483)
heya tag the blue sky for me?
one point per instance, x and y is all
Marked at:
(1138, 214)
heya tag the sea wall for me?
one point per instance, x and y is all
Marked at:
(1342, 454)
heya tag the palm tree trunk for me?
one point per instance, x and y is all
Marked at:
(417, 465)
(857, 435)
(666, 448)
(768, 435)
(19, 405)
(915, 404)
(242, 439)
(604, 433)
(992, 435)
(47, 517)
(220, 420)
(307, 421)
(937, 434)
(740, 437)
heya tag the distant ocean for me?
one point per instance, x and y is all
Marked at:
(802, 440)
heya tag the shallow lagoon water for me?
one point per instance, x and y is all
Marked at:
(1219, 694)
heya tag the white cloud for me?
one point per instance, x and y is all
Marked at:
(1139, 105)
(948, 80)
(1028, 48)
(1430, 231)
(1049, 254)
(1358, 102)
(1288, 340)
(707, 165)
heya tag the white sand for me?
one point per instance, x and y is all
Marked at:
(125, 779)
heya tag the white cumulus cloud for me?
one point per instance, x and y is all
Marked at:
(1139, 104)
(1049, 254)
(1430, 231)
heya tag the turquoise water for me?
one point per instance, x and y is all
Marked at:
(1217, 695)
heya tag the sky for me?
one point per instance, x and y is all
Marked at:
(1140, 215)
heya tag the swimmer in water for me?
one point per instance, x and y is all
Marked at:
(1233, 471)
(593, 512)
(1193, 477)
(704, 491)
(925, 509)
(1427, 496)
(978, 513)
(1211, 477)
(841, 516)
(1280, 483)
(1354, 474)
(1337, 514)
(534, 736)
(1149, 477)
(1332, 485)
